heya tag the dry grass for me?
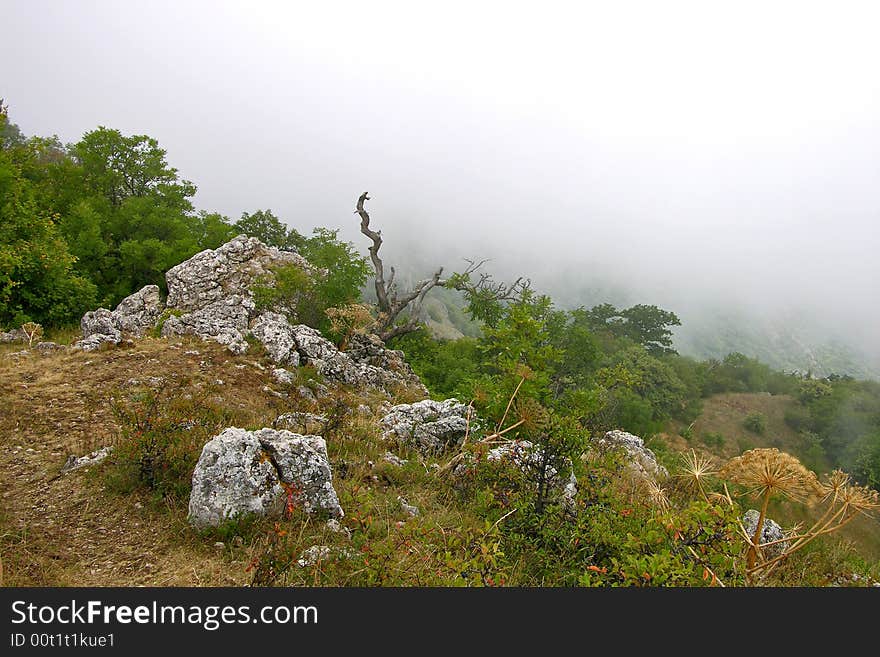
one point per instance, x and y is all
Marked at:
(70, 531)
(725, 414)
(74, 530)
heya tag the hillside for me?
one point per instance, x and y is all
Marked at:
(723, 415)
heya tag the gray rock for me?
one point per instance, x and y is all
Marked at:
(76, 462)
(386, 367)
(243, 471)
(337, 527)
(137, 313)
(390, 372)
(215, 274)
(15, 335)
(276, 334)
(770, 531)
(99, 322)
(306, 393)
(429, 426)
(49, 347)
(94, 341)
(409, 509)
(306, 423)
(224, 321)
(316, 553)
(641, 461)
(282, 376)
(311, 345)
(134, 316)
(394, 459)
(212, 290)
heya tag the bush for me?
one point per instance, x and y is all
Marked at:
(305, 297)
(798, 418)
(712, 439)
(756, 423)
(161, 435)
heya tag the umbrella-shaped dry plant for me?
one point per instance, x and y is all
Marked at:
(766, 472)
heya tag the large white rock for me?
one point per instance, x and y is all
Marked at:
(211, 291)
(134, 316)
(429, 426)
(242, 472)
(232, 268)
(641, 461)
(276, 335)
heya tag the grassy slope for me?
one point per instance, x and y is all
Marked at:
(725, 413)
(76, 530)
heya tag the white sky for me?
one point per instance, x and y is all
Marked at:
(684, 150)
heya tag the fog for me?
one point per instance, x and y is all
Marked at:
(693, 155)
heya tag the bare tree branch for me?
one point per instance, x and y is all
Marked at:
(389, 304)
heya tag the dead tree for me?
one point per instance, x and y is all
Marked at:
(391, 303)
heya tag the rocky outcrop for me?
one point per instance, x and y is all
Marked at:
(770, 532)
(241, 472)
(211, 292)
(210, 295)
(15, 335)
(640, 461)
(215, 274)
(384, 366)
(529, 459)
(137, 313)
(276, 334)
(429, 426)
(134, 316)
(300, 344)
(224, 321)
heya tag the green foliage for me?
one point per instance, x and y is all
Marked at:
(606, 538)
(643, 324)
(756, 423)
(117, 167)
(267, 228)
(161, 435)
(444, 366)
(37, 278)
(305, 296)
(712, 439)
(841, 417)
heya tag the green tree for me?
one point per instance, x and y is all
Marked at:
(649, 327)
(267, 228)
(119, 167)
(37, 280)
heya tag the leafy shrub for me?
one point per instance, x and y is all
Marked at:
(756, 423)
(712, 439)
(160, 438)
(305, 297)
(797, 418)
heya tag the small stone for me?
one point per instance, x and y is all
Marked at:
(393, 459)
(409, 509)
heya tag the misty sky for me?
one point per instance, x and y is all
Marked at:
(681, 151)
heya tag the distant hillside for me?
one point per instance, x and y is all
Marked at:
(788, 344)
(720, 431)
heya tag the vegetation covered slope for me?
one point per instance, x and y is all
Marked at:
(546, 383)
